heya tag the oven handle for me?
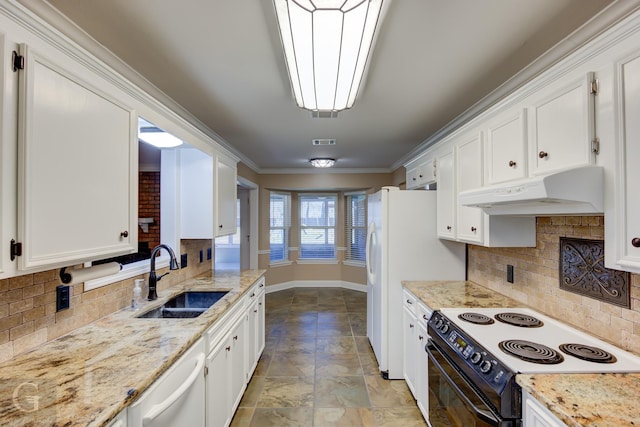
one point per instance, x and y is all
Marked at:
(484, 415)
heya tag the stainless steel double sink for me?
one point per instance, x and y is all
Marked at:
(187, 304)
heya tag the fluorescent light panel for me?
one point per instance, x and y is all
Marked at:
(326, 45)
(155, 136)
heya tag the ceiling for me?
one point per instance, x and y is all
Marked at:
(222, 61)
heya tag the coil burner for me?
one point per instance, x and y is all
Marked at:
(519, 319)
(588, 353)
(478, 319)
(531, 352)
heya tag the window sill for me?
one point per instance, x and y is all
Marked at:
(280, 263)
(354, 263)
(316, 261)
(128, 271)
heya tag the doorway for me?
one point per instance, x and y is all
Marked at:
(239, 251)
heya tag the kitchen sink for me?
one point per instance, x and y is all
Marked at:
(185, 305)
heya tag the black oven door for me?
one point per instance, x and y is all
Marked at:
(452, 401)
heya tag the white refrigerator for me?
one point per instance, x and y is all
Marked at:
(402, 244)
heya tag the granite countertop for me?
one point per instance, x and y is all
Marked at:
(587, 400)
(580, 400)
(85, 378)
(454, 294)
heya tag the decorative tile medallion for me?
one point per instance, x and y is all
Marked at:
(582, 271)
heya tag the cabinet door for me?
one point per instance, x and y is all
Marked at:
(196, 194)
(468, 176)
(237, 368)
(412, 178)
(427, 172)
(260, 328)
(409, 337)
(422, 376)
(77, 168)
(506, 147)
(218, 385)
(627, 206)
(252, 332)
(562, 126)
(225, 196)
(445, 197)
(535, 415)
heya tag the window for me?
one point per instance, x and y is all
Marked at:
(356, 227)
(279, 223)
(318, 226)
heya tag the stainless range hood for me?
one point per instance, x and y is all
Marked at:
(574, 191)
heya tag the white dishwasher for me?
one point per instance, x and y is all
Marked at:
(177, 397)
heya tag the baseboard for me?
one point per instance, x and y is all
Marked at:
(316, 284)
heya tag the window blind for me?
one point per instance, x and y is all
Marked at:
(279, 225)
(355, 227)
(318, 226)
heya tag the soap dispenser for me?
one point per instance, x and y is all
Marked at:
(137, 294)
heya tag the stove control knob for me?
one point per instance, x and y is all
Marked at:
(476, 358)
(445, 328)
(485, 367)
(438, 323)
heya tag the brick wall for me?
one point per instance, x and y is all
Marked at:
(149, 206)
(28, 315)
(537, 281)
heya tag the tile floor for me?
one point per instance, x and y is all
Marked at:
(318, 368)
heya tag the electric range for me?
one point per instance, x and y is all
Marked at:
(478, 352)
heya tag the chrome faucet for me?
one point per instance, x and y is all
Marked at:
(153, 280)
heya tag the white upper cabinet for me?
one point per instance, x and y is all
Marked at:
(77, 166)
(421, 172)
(507, 147)
(562, 125)
(468, 167)
(225, 184)
(622, 227)
(196, 194)
(446, 195)
(459, 168)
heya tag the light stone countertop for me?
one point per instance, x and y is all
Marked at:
(85, 378)
(456, 294)
(587, 400)
(579, 400)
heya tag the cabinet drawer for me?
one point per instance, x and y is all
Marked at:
(409, 301)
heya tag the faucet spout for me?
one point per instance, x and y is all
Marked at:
(153, 279)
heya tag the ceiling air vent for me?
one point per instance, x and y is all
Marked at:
(316, 114)
(323, 141)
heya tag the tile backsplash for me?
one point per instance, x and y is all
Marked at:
(537, 281)
(28, 315)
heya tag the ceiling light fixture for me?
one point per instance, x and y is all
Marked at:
(327, 44)
(322, 162)
(155, 136)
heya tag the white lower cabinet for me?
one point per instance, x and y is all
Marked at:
(415, 318)
(177, 397)
(422, 360)
(409, 354)
(255, 327)
(234, 345)
(225, 375)
(536, 415)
